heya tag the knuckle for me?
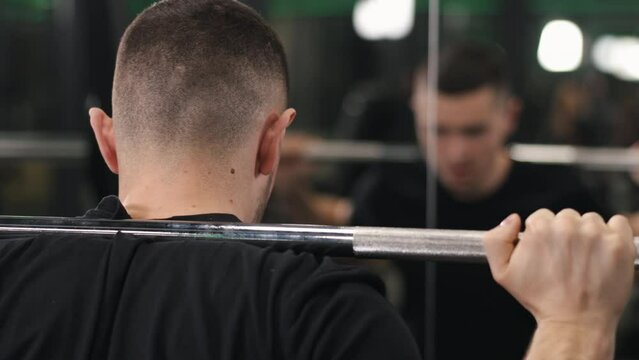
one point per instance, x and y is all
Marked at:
(619, 222)
(540, 214)
(536, 222)
(566, 224)
(565, 229)
(590, 230)
(568, 213)
(619, 218)
(592, 217)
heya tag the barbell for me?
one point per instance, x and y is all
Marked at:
(18, 146)
(35, 146)
(363, 242)
(592, 158)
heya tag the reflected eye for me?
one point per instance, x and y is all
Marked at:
(442, 132)
(474, 131)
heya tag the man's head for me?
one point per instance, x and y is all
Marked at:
(476, 115)
(197, 82)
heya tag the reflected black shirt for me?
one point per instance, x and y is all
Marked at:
(125, 297)
(475, 317)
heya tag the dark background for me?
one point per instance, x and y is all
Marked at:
(57, 60)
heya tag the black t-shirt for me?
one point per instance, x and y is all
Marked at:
(125, 297)
(475, 317)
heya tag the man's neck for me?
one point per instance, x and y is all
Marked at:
(492, 183)
(497, 177)
(156, 195)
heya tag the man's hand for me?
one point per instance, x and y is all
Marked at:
(573, 273)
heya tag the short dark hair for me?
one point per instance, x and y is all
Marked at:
(196, 73)
(472, 64)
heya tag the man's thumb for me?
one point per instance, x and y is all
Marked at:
(500, 242)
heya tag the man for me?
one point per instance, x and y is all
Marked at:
(199, 115)
(478, 184)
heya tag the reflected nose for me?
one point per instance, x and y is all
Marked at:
(456, 149)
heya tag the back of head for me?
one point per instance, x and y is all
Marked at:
(194, 75)
(471, 65)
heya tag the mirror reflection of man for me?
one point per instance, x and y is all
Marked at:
(476, 115)
(478, 184)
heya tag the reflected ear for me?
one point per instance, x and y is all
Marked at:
(268, 153)
(102, 126)
(419, 88)
(514, 108)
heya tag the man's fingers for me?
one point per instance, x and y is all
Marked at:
(499, 244)
(565, 224)
(571, 213)
(539, 218)
(620, 225)
(594, 217)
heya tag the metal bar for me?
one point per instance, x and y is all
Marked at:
(592, 158)
(317, 239)
(604, 159)
(361, 151)
(34, 146)
(367, 242)
(432, 139)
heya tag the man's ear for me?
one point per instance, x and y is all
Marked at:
(268, 152)
(102, 126)
(514, 107)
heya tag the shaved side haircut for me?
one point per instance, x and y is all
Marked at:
(194, 74)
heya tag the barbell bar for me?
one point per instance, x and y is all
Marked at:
(592, 158)
(17, 146)
(38, 146)
(364, 242)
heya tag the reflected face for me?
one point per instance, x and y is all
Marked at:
(472, 129)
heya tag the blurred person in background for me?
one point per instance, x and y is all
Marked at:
(295, 197)
(579, 114)
(478, 183)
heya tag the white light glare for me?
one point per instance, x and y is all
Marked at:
(618, 56)
(384, 19)
(561, 46)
